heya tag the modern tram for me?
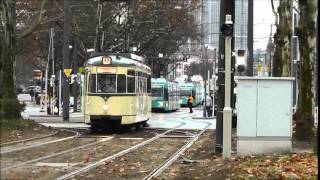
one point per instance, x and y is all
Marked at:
(117, 90)
(193, 88)
(165, 95)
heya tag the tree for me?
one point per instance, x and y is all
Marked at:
(281, 59)
(307, 40)
(9, 104)
(152, 26)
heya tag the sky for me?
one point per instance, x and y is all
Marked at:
(263, 19)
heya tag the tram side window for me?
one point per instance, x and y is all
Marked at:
(149, 84)
(131, 84)
(166, 95)
(121, 86)
(92, 83)
(156, 92)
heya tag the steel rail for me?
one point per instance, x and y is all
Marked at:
(41, 144)
(176, 155)
(121, 153)
(30, 139)
(56, 154)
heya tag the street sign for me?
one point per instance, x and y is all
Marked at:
(37, 74)
(67, 72)
(259, 67)
(81, 69)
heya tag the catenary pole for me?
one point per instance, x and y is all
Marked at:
(66, 58)
(250, 39)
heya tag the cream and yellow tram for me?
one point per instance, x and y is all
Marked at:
(117, 90)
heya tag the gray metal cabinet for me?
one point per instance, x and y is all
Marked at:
(264, 111)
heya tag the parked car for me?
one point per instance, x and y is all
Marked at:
(34, 88)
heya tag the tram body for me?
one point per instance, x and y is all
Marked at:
(193, 88)
(117, 91)
(165, 95)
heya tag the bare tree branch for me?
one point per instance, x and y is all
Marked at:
(35, 25)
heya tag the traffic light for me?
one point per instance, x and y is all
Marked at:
(227, 29)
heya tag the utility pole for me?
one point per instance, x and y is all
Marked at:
(203, 63)
(250, 39)
(66, 58)
(226, 7)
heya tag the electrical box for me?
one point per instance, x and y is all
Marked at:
(264, 114)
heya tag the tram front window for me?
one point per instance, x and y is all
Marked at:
(156, 92)
(184, 92)
(103, 83)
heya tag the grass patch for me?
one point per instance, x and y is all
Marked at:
(16, 124)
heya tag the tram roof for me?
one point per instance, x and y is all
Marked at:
(161, 80)
(125, 59)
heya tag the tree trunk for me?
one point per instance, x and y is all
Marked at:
(10, 106)
(281, 65)
(285, 25)
(307, 37)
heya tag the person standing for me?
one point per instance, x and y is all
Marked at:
(31, 92)
(208, 106)
(190, 101)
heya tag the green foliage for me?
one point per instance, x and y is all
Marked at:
(10, 108)
(16, 124)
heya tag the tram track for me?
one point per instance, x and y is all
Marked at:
(191, 136)
(8, 149)
(70, 163)
(29, 139)
(176, 155)
(57, 154)
(52, 164)
(131, 164)
(119, 154)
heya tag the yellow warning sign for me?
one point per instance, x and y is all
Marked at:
(81, 69)
(259, 67)
(67, 72)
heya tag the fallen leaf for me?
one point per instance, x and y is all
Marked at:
(249, 170)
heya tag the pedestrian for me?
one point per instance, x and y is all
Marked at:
(36, 97)
(31, 94)
(208, 106)
(190, 101)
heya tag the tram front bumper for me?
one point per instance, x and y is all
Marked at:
(102, 120)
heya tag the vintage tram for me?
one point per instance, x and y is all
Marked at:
(117, 90)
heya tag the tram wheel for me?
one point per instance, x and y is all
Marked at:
(144, 124)
(94, 128)
(139, 127)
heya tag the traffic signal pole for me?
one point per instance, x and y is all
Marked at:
(227, 110)
(226, 7)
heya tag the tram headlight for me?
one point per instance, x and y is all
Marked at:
(161, 104)
(105, 107)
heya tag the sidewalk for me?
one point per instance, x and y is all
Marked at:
(198, 114)
(33, 113)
